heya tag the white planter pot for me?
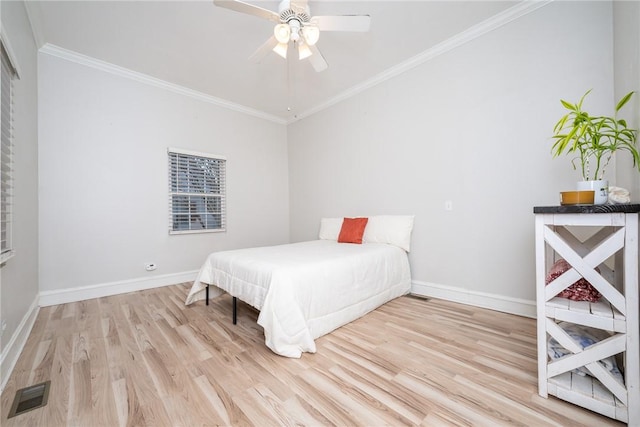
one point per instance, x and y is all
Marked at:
(600, 188)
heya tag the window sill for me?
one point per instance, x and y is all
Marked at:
(220, 230)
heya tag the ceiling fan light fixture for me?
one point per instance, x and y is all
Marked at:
(282, 32)
(281, 49)
(311, 34)
(304, 51)
(294, 26)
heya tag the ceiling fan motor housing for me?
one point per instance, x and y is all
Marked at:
(290, 12)
(294, 16)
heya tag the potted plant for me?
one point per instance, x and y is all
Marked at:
(594, 139)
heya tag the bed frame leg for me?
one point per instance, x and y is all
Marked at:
(207, 294)
(235, 310)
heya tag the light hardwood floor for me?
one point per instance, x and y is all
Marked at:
(145, 359)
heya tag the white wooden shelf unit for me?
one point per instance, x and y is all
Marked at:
(616, 312)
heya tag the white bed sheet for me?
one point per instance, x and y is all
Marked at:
(306, 290)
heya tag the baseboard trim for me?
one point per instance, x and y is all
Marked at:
(496, 302)
(64, 296)
(11, 352)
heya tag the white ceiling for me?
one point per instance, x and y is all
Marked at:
(202, 47)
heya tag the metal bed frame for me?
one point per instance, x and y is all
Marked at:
(235, 305)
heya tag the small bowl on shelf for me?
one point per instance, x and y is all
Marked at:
(584, 197)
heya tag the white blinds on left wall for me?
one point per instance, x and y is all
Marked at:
(6, 156)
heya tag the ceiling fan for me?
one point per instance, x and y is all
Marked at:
(295, 26)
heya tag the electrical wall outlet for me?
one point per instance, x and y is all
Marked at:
(448, 205)
(150, 266)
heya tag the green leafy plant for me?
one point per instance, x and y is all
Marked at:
(593, 139)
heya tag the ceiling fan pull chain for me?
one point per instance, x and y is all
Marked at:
(290, 84)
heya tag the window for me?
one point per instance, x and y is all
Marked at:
(7, 76)
(196, 192)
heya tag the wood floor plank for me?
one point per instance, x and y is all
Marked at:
(219, 416)
(303, 411)
(102, 399)
(146, 359)
(446, 402)
(382, 398)
(328, 405)
(43, 359)
(80, 407)
(57, 410)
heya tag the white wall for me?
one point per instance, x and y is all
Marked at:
(19, 275)
(103, 177)
(626, 15)
(473, 126)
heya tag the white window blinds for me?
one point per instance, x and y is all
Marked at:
(196, 192)
(6, 155)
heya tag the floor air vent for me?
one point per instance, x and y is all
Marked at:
(29, 398)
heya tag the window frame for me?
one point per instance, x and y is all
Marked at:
(8, 61)
(221, 194)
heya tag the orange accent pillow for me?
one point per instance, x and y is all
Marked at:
(352, 230)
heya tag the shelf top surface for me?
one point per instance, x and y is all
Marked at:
(588, 209)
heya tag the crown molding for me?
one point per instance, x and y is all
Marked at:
(451, 43)
(88, 61)
(472, 33)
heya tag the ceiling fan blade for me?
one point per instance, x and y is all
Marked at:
(247, 8)
(343, 23)
(263, 50)
(317, 60)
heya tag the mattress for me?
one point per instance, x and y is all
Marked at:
(308, 289)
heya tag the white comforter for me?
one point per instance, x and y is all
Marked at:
(305, 290)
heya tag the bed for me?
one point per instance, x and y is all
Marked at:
(306, 290)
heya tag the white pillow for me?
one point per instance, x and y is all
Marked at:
(391, 229)
(330, 228)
